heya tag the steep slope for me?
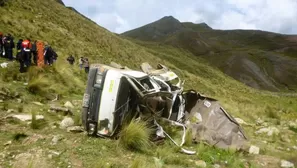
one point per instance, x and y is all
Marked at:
(238, 53)
(70, 33)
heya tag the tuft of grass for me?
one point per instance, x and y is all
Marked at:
(138, 163)
(77, 119)
(272, 112)
(38, 85)
(34, 122)
(294, 129)
(20, 108)
(37, 124)
(135, 136)
(189, 138)
(214, 155)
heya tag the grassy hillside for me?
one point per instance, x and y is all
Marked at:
(70, 33)
(231, 51)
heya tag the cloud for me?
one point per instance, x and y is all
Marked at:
(122, 15)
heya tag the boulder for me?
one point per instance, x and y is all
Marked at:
(68, 104)
(269, 131)
(60, 109)
(286, 164)
(11, 111)
(26, 117)
(75, 129)
(66, 122)
(254, 150)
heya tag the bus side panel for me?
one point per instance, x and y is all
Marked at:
(108, 101)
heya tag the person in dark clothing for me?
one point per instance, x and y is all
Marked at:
(19, 49)
(86, 65)
(48, 55)
(8, 47)
(71, 60)
(1, 44)
(34, 52)
(21, 60)
(26, 45)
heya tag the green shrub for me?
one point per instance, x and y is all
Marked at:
(19, 136)
(135, 136)
(38, 85)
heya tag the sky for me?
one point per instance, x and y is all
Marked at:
(122, 15)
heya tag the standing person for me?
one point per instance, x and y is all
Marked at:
(1, 44)
(8, 47)
(86, 65)
(34, 52)
(26, 45)
(19, 49)
(48, 55)
(80, 62)
(21, 59)
(71, 60)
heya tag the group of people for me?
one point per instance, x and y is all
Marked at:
(83, 62)
(6, 46)
(27, 52)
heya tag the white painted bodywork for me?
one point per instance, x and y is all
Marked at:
(109, 97)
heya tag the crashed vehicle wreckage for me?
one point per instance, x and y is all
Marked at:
(115, 93)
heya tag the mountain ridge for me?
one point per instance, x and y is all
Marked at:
(264, 52)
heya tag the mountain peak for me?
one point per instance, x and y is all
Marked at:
(157, 30)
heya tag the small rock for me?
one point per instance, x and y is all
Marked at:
(259, 121)
(292, 124)
(38, 103)
(19, 100)
(294, 147)
(200, 163)
(1, 101)
(75, 129)
(60, 109)
(68, 104)
(16, 95)
(285, 138)
(216, 166)
(56, 139)
(8, 143)
(66, 122)
(269, 131)
(27, 117)
(254, 150)
(50, 156)
(265, 142)
(54, 153)
(25, 84)
(286, 164)
(240, 121)
(11, 111)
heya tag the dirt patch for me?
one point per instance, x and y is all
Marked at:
(267, 161)
(33, 159)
